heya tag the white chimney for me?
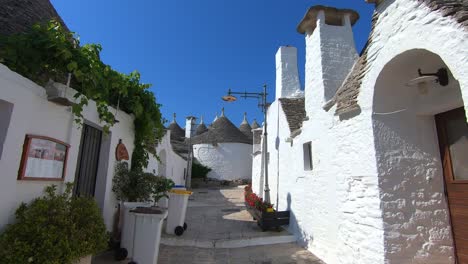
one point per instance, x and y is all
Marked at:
(287, 75)
(330, 52)
(190, 126)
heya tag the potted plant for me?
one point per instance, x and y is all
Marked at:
(133, 188)
(267, 218)
(161, 186)
(55, 228)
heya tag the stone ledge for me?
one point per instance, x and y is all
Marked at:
(228, 243)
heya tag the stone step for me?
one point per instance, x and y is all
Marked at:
(228, 243)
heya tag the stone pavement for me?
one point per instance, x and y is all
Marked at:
(220, 230)
(274, 254)
(217, 218)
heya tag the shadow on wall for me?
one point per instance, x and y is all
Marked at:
(294, 227)
(408, 159)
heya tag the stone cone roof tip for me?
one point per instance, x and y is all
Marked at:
(222, 130)
(255, 125)
(177, 133)
(201, 127)
(245, 128)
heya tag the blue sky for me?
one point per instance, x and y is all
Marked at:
(193, 51)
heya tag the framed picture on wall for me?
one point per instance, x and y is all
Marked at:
(43, 159)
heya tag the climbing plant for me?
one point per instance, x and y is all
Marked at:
(48, 51)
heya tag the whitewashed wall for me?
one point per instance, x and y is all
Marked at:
(257, 178)
(228, 161)
(422, 235)
(346, 210)
(171, 165)
(33, 114)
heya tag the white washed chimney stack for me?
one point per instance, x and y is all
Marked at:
(330, 52)
(287, 75)
(190, 126)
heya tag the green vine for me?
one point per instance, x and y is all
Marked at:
(48, 51)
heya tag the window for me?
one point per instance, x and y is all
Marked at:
(6, 109)
(308, 164)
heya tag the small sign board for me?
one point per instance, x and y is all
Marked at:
(43, 159)
(121, 152)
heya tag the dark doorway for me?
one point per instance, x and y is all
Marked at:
(88, 160)
(453, 139)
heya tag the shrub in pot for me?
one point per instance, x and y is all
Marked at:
(160, 188)
(131, 185)
(54, 229)
(133, 188)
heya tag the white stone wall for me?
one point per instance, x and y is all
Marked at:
(375, 192)
(257, 177)
(171, 165)
(33, 114)
(331, 55)
(410, 175)
(228, 161)
(287, 74)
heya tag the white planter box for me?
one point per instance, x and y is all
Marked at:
(147, 237)
(127, 223)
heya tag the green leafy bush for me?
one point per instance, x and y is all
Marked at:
(54, 229)
(132, 185)
(48, 51)
(161, 186)
(137, 186)
(199, 170)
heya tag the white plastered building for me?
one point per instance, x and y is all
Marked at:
(173, 154)
(28, 110)
(371, 161)
(225, 149)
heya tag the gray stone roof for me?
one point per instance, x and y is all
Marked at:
(180, 148)
(246, 129)
(346, 96)
(457, 9)
(18, 16)
(294, 109)
(177, 133)
(201, 129)
(221, 131)
(255, 124)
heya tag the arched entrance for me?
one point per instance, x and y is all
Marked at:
(414, 203)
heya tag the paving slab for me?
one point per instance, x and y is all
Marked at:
(220, 230)
(217, 218)
(274, 254)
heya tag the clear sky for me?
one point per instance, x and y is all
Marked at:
(193, 51)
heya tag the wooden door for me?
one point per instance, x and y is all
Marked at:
(86, 171)
(453, 139)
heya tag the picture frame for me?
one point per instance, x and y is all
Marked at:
(43, 159)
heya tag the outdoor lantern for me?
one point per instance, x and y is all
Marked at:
(441, 77)
(229, 97)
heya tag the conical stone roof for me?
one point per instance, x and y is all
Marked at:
(17, 16)
(221, 131)
(245, 128)
(177, 133)
(255, 125)
(201, 128)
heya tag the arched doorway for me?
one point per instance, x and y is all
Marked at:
(416, 215)
(162, 163)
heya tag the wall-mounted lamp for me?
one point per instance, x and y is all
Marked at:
(441, 77)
